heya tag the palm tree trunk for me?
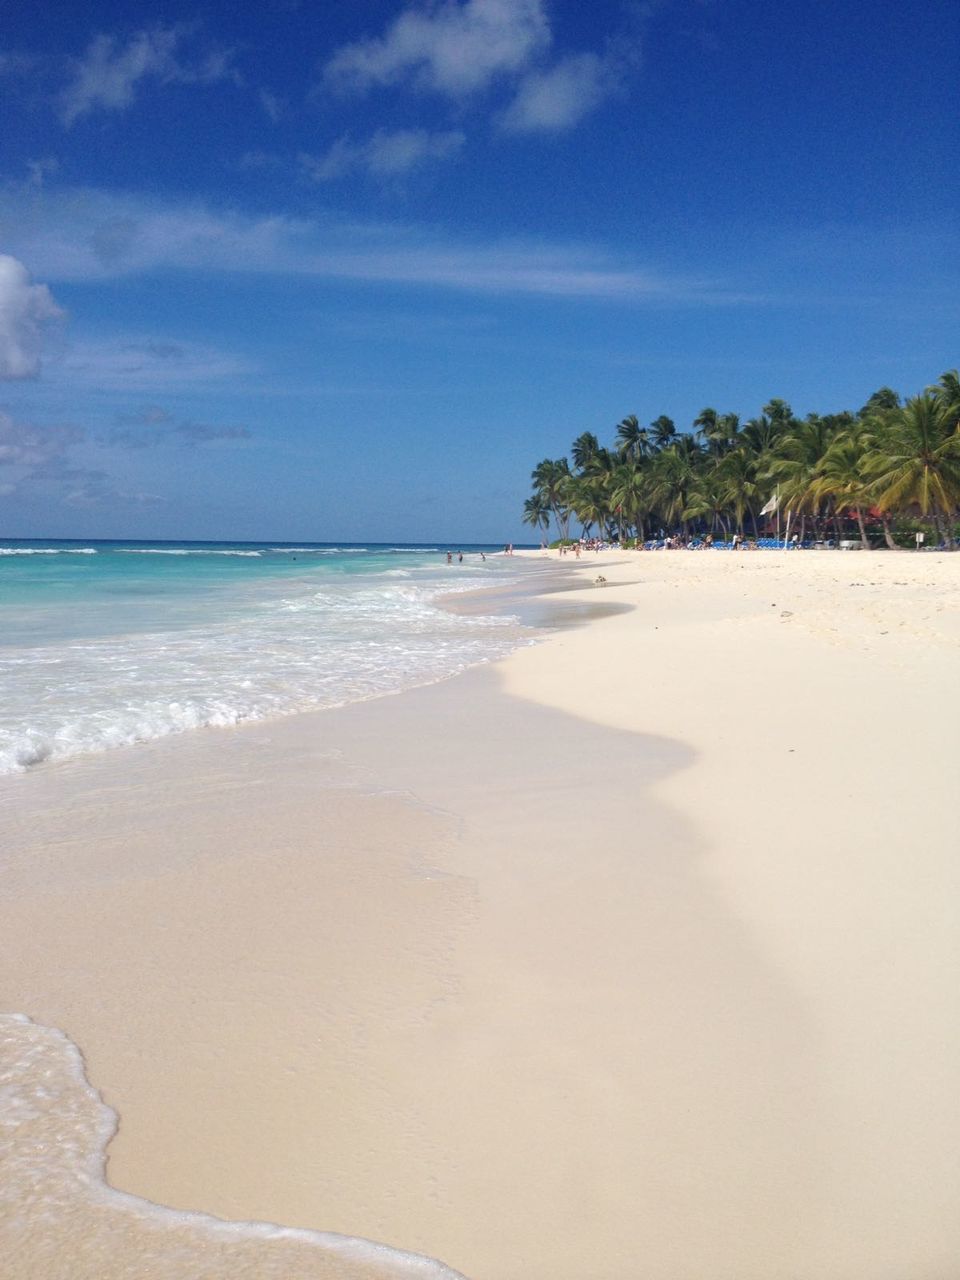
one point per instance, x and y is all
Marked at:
(864, 540)
(945, 530)
(948, 525)
(888, 532)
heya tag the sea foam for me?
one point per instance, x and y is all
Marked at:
(185, 551)
(64, 1220)
(48, 551)
(253, 647)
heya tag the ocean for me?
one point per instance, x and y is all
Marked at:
(106, 644)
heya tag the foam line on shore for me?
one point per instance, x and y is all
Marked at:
(51, 1108)
(633, 954)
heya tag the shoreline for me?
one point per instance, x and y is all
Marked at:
(510, 961)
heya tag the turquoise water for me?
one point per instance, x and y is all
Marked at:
(105, 644)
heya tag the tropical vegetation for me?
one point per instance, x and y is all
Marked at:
(877, 474)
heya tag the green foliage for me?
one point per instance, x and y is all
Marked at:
(891, 462)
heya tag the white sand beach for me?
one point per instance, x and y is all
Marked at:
(633, 955)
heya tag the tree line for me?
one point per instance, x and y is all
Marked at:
(892, 461)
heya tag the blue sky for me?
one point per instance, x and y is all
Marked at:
(348, 271)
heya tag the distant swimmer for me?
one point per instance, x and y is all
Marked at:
(482, 556)
(449, 557)
(460, 557)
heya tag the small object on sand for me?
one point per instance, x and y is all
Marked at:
(600, 581)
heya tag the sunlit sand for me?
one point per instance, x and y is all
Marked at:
(633, 955)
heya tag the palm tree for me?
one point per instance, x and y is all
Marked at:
(779, 413)
(947, 394)
(536, 512)
(587, 498)
(841, 475)
(793, 467)
(706, 422)
(602, 463)
(707, 500)
(730, 424)
(889, 459)
(738, 475)
(671, 482)
(873, 426)
(915, 461)
(760, 434)
(633, 441)
(663, 430)
(548, 480)
(629, 498)
(882, 401)
(689, 446)
(717, 430)
(759, 442)
(584, 450)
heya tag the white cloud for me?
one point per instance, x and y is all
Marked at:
(77, 486)
(65, 238)
(152, 416)
(387, 154)
(109, 73)
(253, 160)
(25, 309)
(145, 365)
(37, 460)
(27, 446)
(558, 97)
(155, 426)
(40, 170)
(451, 48)
(561, 96)
(272, 105)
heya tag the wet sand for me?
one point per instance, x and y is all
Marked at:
(633, 955)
